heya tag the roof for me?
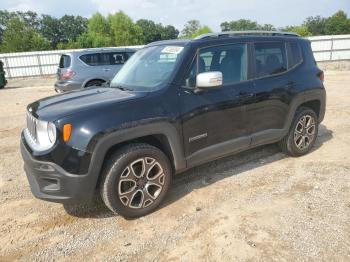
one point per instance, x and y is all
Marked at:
(227, 36)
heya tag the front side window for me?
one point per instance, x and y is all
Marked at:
(230, 60)
(149, 68)
(270, 59)
(116, 58)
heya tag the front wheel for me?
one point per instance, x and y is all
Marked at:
(135, 180)
(302, 134)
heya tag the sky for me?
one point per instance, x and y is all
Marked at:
(176, 12)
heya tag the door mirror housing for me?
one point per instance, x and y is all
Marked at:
(209, 80)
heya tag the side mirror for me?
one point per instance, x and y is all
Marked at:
(209, 80)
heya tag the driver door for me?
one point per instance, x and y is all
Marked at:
(213, 120)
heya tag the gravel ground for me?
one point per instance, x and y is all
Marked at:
(255, 206)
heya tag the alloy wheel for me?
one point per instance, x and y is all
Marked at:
(304, 133)
(141, 183)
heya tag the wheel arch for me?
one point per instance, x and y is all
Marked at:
(164, 136)
(314, 99)
(93, 79)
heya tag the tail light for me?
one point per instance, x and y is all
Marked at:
(67, 75)
(321, 76)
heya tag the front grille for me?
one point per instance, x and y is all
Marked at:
(31, 126)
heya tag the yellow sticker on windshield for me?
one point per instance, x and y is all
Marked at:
(172, 49)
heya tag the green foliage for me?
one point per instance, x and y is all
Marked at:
(124, 31)
(245, 24)
(201, 31)
(193, 28)
(300, 30)
(19, 37)
(190, 28)
(151, 31)
(169, 32)
(98, 33)
(51, 30)
(338, 24)
(29, 31)
(316, 25)
(154, 32)
(72, 27)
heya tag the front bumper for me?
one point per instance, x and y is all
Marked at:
(50, 182)
(64, 86)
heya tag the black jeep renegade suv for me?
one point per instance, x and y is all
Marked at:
(174, 105)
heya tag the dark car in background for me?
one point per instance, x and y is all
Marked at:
(90, 67)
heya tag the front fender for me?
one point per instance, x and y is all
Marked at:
(100, 145)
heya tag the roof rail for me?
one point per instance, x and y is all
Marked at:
(249, 32)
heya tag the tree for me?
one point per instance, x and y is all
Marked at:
(19, 37)
(190, 28)
(338, 24)
(72, 27)
(151, 31)
(316, 25)
(51, 30)
(124, 31)
(32, 19)
(155, 32)
(301, 30)
(239, 25)
(169, 32)
(202, 30)
(98, 34)
(193, 28)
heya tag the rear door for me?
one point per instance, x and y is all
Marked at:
(272, 92)
(212, 117)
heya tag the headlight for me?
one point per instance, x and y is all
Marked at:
(51, 131)
(46, 134)
(40, 135)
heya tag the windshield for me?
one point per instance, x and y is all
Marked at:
(148, 68)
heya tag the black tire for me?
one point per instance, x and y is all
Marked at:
(289, 143)
(94, 83)
(117, 176)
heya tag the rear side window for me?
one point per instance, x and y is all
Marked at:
(90, 59)
(65, 61)
(270, 58)
(230, 60)
(294, 54)
(99, 59)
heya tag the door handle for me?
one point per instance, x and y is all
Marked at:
(106, 69)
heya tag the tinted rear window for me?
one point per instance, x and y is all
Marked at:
(110, 58)
(294, 54)
(65, 61)
(270, 58)
(90, 59)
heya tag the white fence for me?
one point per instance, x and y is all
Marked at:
(325, 48)
(331, 48)
(40, 63)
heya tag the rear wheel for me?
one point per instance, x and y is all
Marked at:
(302, 134)
(94, 83)
(135, 180)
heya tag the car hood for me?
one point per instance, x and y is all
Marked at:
(56, 107)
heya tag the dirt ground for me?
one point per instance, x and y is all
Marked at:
(256, 206)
